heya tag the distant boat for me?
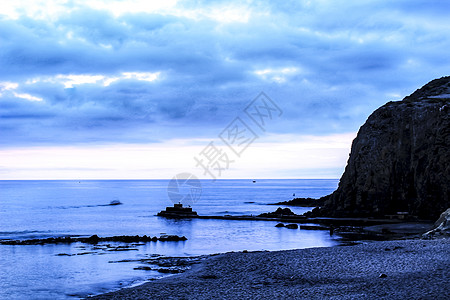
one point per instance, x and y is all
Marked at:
(115, 202)
(254, 181)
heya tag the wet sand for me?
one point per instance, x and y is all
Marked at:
(412, 269)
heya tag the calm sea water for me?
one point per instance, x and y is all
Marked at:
(40, 209)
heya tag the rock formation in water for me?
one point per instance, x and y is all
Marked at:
(400, 159)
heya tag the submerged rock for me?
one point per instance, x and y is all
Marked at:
(292, 226)
(399, 161)
(115, 202)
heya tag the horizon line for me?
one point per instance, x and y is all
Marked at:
(135, 179)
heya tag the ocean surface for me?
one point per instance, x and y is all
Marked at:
(41, 209)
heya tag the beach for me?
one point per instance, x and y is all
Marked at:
(403, 269)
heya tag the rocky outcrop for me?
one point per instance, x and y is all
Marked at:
(400, 159)
(95, 239)
(279, 213)
(303, 202)
(441, 227)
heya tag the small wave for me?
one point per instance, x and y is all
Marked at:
(231, 212)
(70, 207)
(22, 232)
(112, 203)
(254, 203)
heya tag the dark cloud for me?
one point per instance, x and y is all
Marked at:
(326, 65)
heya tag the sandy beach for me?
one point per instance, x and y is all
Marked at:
(406, 269)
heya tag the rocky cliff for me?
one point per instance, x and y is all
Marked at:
(400, 159)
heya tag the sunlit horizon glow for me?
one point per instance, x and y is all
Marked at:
(134, 89)
(298, 159)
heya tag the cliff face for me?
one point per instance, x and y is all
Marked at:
(400, 159)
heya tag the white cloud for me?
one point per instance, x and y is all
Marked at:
(11, 87)
(118, 7)
(279, 75)
(143, 76)
(37, 9)
(27, 97)
(220, 13)
(53, 9)
(69, 81)
(230, 13)
(7, 86)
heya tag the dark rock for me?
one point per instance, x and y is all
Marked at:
(170, 270)
(400, 160)
(93, 239)
(292, 226)
(67, 239)
(175, 238)
(304, 202)
(382, 275)
(145, 268)
(279, 213)
(284, 211)
(314, 227)
(123, 249)
(115, 202)
(279, 225)
(84, 253)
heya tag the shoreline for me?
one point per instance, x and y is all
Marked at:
(413, 268)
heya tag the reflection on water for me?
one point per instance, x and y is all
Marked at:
(37, 209)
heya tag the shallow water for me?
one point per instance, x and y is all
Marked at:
(39, 209)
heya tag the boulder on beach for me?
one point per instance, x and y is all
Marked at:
(441, 227)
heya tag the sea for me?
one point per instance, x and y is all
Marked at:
(40, 209)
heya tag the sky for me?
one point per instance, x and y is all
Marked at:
(149, 89)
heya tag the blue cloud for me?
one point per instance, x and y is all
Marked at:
(326, 65)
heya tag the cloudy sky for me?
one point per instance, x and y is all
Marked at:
(139, 89)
